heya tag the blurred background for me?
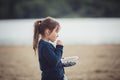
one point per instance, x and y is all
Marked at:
(90, 29)
(14, 9)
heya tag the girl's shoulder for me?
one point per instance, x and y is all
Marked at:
(45, 43)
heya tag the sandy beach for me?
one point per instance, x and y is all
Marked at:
(96, 62)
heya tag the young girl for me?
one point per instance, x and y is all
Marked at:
(49, 56)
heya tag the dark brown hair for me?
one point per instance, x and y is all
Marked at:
(39, 29)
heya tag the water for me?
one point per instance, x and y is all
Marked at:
(73, 31)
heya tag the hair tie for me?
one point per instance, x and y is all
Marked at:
(39, 22)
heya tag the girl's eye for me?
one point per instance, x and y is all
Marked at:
(56, 31)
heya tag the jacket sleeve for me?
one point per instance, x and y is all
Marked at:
(52, 57)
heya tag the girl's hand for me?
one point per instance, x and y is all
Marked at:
(59, 42)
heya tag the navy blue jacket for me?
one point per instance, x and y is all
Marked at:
(50, 61)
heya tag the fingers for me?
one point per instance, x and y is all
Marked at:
(59, 42)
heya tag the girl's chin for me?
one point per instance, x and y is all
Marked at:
(53, 40)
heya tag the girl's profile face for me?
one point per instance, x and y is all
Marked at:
(54, 34)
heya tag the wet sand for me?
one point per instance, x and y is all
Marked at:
(96, 62)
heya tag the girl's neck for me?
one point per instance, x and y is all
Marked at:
(45, 39)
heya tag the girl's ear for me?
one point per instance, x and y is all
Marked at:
(47, 32)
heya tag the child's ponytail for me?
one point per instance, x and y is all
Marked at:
(36, 35)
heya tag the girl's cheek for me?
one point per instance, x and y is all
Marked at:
(56, 34)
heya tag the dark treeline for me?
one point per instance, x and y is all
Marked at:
(12, 9)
